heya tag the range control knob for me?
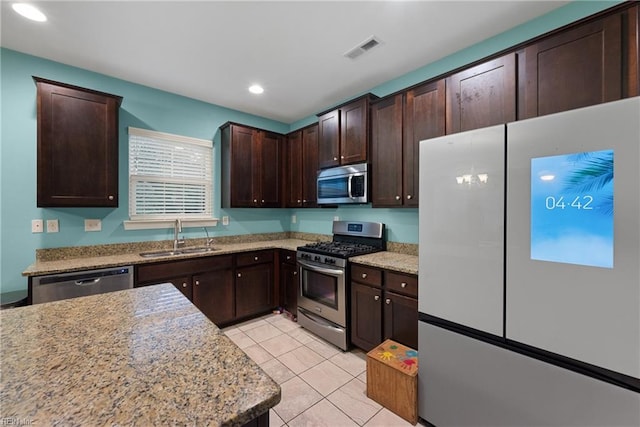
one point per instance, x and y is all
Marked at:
(317, 258)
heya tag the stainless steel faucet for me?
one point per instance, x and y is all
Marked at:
(209, 241)
(177, 228)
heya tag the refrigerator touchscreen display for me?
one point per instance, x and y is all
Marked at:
(572, 208)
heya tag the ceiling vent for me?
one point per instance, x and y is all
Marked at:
(363, 47)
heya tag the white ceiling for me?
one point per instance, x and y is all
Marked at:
(213, 50)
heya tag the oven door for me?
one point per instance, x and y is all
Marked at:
(323, 291)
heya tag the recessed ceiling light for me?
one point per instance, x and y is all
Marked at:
(257, 89)
(29, 12)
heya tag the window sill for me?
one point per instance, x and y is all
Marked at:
(151, 224)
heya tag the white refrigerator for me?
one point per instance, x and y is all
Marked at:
(529, 274)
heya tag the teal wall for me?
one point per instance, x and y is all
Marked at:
(157, 110)
(402, 224)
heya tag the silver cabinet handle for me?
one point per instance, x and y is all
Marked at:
(304, 201)
(262, 200)
(239, 274)
(295, 273)
(255, 200)
(342, 157)
(335, 158)
(299, 200)
(397, 197)
(387, 301)
(403, 285)
(111, 197)
(255, 258)
(288, 256)
(364, 275)
(409, 197)
(197, 282)
(376, 298)
(184, 284)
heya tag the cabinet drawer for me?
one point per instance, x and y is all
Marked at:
(251, 258)
(157, 272)
(366, 275)
(401, 283)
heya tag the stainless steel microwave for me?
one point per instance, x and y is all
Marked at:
(343, 184)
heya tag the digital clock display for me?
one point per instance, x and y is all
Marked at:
(354, 227)
(572, 208)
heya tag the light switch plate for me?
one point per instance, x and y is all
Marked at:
(92, 225)
(52, 226)
(336, 218)
(294, 219)
(225, 220)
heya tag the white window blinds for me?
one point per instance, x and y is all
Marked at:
(170, 176)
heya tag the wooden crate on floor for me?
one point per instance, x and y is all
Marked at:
(392, 379)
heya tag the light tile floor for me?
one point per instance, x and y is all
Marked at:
(321, 384)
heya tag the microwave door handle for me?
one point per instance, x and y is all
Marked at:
(331, 271)
(349, 186)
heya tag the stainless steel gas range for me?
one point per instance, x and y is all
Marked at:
(323, 300)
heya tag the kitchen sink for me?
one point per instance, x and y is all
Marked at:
(182, 251)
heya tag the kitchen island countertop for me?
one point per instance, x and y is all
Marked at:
(144, 356)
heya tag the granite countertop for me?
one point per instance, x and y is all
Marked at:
(87, 258)
(123, 358)
(396, 261)
(130, 255)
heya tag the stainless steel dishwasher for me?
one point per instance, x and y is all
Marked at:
(80, 283)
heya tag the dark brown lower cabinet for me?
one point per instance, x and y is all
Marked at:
(254, 290)
(401, 319)
(366, 316)
(378, 313)
(289, 285)
(213, 295)
(209, 282)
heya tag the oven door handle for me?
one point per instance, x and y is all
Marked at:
(330, 271)
(349, 186)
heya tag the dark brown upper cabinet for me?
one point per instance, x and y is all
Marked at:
(344, 133)
(398, 124)
(251, 167)
(483, 95)
(301, 167)
(77, 146)
(586, 65)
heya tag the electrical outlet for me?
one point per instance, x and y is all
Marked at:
(336, 218)
(37, 226)
(225, 220)
(52, 226)
(92, 225)
(294, 219)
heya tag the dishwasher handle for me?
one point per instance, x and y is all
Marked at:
(87, 282)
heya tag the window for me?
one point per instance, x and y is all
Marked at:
(170, 176)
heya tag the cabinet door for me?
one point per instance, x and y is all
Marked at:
(354, 132)
(401, 319)
(424, 118)
(482, 96)
(366, 316)
(294, 170)
(574, 69)
(309, 166)
(329, 139)
(77, 147)
(290, 286)
(184, 285)
(213, 295)
(254, 290)
(269, 195)
(242, 167)
(386, 152)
